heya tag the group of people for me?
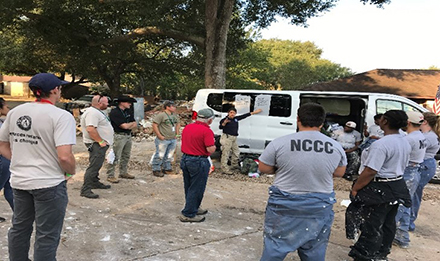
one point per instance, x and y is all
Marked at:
(299, 214)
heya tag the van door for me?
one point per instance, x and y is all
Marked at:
(340, 109)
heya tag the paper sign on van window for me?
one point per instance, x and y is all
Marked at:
(242, 104)
(262, 102)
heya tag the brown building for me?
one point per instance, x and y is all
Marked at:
(418, 85)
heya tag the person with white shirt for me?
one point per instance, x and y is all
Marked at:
(350, 139)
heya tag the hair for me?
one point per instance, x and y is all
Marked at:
(378, 116)
(396, 119)
(2, 103)
(39, 93)
(232, 109)
(311, 115)
(433, 121)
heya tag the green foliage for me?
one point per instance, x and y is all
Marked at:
(289, 65)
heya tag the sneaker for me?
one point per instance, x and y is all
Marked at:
(168, 172)
(100, 185)
(193, 219)
(126, 176)
(202, 211)
(113, 180)
(401, 245)
(157, 173)
(228, 172)
(89, 194)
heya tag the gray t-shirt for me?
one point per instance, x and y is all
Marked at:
(432, 144)
(389, 156)
(99, 120)
(347, 139)
(305, 162)
(418, 146)
(34, 131)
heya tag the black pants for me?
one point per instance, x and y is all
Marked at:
(378, 232)
(96, 160)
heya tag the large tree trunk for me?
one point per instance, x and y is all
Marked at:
(218, 15)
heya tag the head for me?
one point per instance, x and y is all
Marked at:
(169, 106)
(205, 115)
(3, 107)
(46, 86)
(433, 122)
(311, 115)
(125, 102)
(349, 126)
(415, 119)
(377, 118)
(232, 112)
(393, 120)
(100, 102)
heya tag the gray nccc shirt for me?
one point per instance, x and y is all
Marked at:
(306, 161)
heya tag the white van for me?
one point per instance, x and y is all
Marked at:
(278, 117)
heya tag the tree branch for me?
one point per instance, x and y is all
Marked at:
(152, 30)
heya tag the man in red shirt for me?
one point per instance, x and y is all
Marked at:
(197, 144)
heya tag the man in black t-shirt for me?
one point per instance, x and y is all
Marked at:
(122, 120)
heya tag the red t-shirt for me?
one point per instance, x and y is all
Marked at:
(196, 137)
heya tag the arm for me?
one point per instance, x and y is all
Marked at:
(356, 146)
(5, 149)
(128, 126)
(366, 176)
(66, 159)
(263, 168)
(177, 129)
(339, 171)
(256, 111)
(211, 149)
(223, 122)
(94, 135)
(157, 132)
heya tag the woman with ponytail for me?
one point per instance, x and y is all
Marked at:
(431, 129)
(380, 189)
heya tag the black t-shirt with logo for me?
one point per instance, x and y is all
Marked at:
(118, 117)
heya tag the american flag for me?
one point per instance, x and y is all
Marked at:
(436, 106)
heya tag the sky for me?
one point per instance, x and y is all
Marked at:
(405, 34)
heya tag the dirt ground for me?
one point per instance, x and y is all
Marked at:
(137, 219)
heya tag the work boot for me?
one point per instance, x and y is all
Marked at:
(168, 172)
(228, 172)
(193, 219)
(157, 173)
(202, 211)
(126, 176)
(89, 194)
(113, 180)
(100, 185)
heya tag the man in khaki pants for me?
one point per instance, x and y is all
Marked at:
(229, 125)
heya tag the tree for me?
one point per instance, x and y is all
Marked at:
(104, 39)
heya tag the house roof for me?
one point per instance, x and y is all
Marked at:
(415, 84)
(13, 78)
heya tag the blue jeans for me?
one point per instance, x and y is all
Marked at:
(195, 175)
(412, 178)
(297, 222)
(47, 207)
(164, 154)
(5, 174)
(428, 168)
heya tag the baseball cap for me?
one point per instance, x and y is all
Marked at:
(415, 117)
(125, 98)
(205, 113)
(46, 81)
(351, 124)
(168, 104)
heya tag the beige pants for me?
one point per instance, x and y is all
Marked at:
(229, 148)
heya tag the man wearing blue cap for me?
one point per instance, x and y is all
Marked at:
(38, 138)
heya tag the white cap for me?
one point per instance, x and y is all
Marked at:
(351, 124)
(415, 117)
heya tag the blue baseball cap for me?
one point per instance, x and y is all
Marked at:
(46, 81)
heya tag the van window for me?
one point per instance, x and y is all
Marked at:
(280, 105)
(385, 105)
(215, 101)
